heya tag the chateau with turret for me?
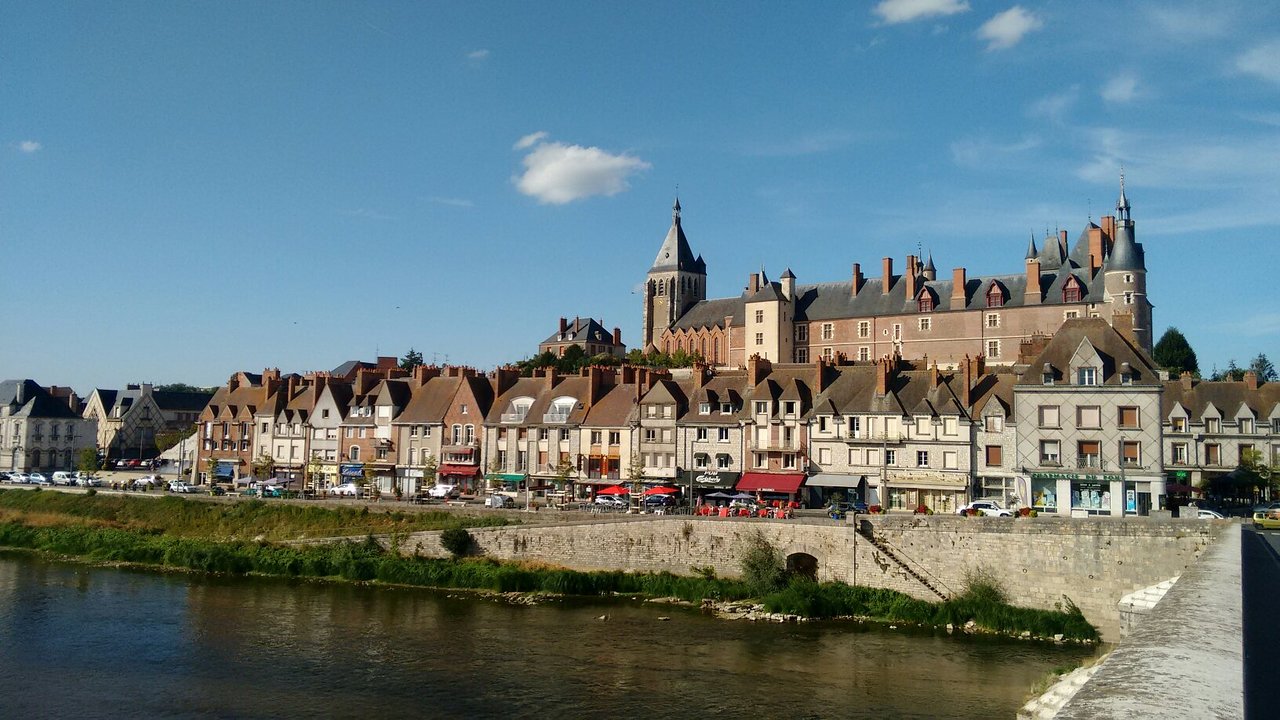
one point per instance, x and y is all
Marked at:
(911, 313)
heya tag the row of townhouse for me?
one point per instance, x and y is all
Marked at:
(41, 428)
(1084, 423)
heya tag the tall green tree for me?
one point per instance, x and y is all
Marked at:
(1174, 353)
(1233, 372)
(411, 360)
(88, 461)
(1263, 368)
(573, 359)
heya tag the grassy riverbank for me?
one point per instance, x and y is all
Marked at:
(369, 561)
(240, 520)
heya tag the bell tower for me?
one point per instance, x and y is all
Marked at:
(676, 281)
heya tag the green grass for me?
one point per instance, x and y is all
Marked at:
(243, 519)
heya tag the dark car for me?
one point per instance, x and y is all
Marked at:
(659, 501)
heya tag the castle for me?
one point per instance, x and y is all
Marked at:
(913, 314)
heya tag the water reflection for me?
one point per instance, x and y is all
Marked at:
(151, 645)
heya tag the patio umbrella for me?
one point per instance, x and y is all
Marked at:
(718, 495)
(660, 490)
(614, 490)
(742, 496)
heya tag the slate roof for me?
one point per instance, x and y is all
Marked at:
(36, 401)
(1110, 345)
(1226, 396)
(675, 253)
(181, 401)
(582, 331)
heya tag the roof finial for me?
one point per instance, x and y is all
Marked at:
(675, 207)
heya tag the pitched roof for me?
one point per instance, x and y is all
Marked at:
(1226, 396)
(582, 331)
(1112, 347)
(36, 402)
(675, 253)
(181, 401)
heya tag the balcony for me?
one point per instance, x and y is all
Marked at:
(1088, 462)
(556, 416)
(877, 438)
(515, 417)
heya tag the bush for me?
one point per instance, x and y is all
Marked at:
(762, 566)
(457, 541)
(923, 509)
(875, 510)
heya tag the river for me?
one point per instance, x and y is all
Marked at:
(86, 642)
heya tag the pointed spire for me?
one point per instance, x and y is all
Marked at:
(928, 264)
(1031, 248)
(675, 211)
(675, 252)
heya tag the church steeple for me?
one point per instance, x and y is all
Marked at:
(676, 281)
(1122, 204)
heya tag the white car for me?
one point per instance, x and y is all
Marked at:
(986, 508)
(179, 486)
(613, 501)
(440, 492)
(499, 501)
(1205, 514)
(345, 490)
(20, 478)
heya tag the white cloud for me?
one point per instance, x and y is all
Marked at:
(1189, 23)
(1008, 28)
(368, 214)
(481, 54)
(556, 173)
(1056, 105)
(979, 152)
(1262, 61)
(29, 146)
(1121, 88)
(452, 202)
(893, 12)
(530, 140)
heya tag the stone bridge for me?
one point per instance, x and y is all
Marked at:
(1041, 562)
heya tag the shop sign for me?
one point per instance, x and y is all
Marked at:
(707, 478)
(1075, 476)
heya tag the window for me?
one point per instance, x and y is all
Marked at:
(926, 324)
(1087, 376)
(995, 298)
(950, 426)
(1049, 416)
(759, 338)
(864, 353)
(864, 329)
(564, 434)
(993, 320)
(995, 456)
(464, 408)
(1071, 290)
(897, 331)
(1246, 426)
(1070, 314)
(723, 435)
(993, 348)
(1128, 298)
(668, 411)
(1179, 424)
(789, 407)
(802, 355)
(1212, 454)
(995, 423)
(354, 453)
(789, 461)
(1089, 454)
(1131, 453)
(544, 434)
(413, 431)
(456, 435)
(828, 353)
(1212, 425)
(759, 316)
(1179, 453)
(722, 461)
(700, 434)
(759, 459)
(348, 432)
(1089, 416)
(615, 437)
(1049, 453)
(922, 427)
(828, 331)
(381, 453)
(922, 458)
(1128, 417)
(762, 408)
(650, 435)
(596, 436)
(890, 457)
(323, 413)
(1128, 278)
(824, 456)
(701, 461)
(469, 434)
(802, 333)
(1244, 454)
(950, 460)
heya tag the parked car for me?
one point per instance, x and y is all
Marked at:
(612, 501)
(1207, 514)
(659, 501)
(180, 486)
(146, 482)
(39, 479)
(442, 491)
(272, 491)
(345, 490)
(1268, 519)
(84, 480)
(1266, 507)
(987, 508)
(63, 477)
(19, 478)
(499, 501)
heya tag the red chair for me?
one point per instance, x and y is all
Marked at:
(724, 512)
(762, 512)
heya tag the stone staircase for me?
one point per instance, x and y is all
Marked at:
(1046, 706)
(880, 544)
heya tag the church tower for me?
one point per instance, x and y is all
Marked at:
(1125, 274)
(675, 283)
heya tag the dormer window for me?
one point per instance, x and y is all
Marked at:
(1087, 376)
(925, 303)
(1047, 374)
(995, 296)
(704, 408)
(1071, 290)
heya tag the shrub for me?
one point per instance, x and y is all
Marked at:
(762, 566)
(923, 509)
(982, 585)
(1025, 512)
(457, 541)
(875, 510)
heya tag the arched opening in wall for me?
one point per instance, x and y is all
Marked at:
(802, 564)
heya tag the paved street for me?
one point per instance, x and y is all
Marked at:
(1260, 578)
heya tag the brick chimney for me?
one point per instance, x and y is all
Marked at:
(628, 374)
(1062, 237)
(617, 336)
(1187, 380)
(966, 382)
(820, 376)
(912, 276)
(934, 376)
(758, 369)
(882, 377)
(1034, 293)
(502, 379)
(701, 373)
(233, 383)
(887, 278)
(753, 283)
(959, 295)
(1109, 229)
(387, 362)
(857, 280)
(564, 327)
(1122, 321)
(1251, 379)
(1096, 250)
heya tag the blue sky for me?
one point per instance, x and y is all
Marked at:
(190, 189)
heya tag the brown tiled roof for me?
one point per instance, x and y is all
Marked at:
(614, 409)
(429, 403)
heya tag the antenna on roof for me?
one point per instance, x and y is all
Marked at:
(1089, 203)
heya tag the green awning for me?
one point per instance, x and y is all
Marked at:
(509, 477)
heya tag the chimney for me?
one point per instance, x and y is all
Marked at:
(628, 374)
(1062, 238)
(753, 283)
(882, 377)
(1033, 293)
(553, 378)
(958, 291)
(233, 384)
(912, 277)
(966, 382)
(386, 362)
(564, 327)
(1251, 379)
(819, 376)
(887, 279)
(502, 380)
(934, 377)
(701, 373)
(1096, 245)
(758, 369)
(1186, 380)
(857, 280)
(291, 386)
(617, 337)
(1123, 323)
(1109, 229)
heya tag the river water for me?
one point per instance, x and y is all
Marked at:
(84, 642)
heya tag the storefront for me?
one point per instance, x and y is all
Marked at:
(1100, 494)
(771, 485)
(937, 491)
(822, 488)
(1010, 491)
(464, 476)
(701, 482)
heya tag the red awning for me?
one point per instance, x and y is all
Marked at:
(770, 482)
(459, 470)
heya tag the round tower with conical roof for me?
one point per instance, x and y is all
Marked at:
(1125, 275)
(676, 282)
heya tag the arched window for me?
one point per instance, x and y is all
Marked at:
(715, 351)
(995, 296)
(412, 452)
(355, 453)
(1071, 290)
(457, 434)
(35, 458)
(468, 434)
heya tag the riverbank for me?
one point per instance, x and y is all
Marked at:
(369, 562)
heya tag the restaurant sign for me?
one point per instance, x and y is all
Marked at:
(1085, 477)
(710, 479)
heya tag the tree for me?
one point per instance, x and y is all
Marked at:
(411, 360)
(264, 466)
(565, 470)
(182, 388)
(88, 462)
(572, 360)
(166, 440)
(1174, 353)
(429, 468)
(311, 470)
(1233, 372)
(1263, 368)
(1254, 470)
(211, 469)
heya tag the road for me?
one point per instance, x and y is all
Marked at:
(1260, 578)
